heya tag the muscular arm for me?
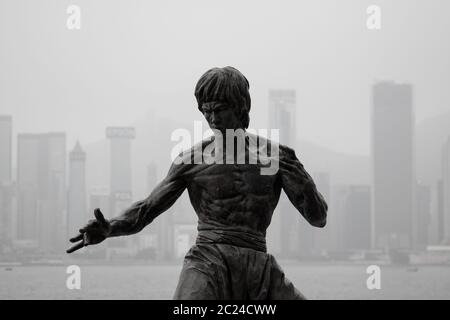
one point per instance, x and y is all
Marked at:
(143, 212)
(301, 189)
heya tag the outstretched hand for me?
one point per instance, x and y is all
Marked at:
(94, 232)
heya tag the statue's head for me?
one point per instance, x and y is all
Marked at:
(223, 97)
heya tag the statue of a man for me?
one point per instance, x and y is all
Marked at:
(234, 203)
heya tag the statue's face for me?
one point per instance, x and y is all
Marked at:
(220, 116)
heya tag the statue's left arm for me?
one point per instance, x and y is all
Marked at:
(143, 212)
(301, 189)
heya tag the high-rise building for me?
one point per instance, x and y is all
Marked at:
(393, 165)
(161, 230)
(6, 148)
(77, 215)
(282, 115)
(54, 194)
(289, 235)
(446, 191)
(41, 183)
(151, 238)
(29, 162)
(120, 177)
(423, 214)
(336, 217)
(120, 160)
(356, 219)
(439, 223)
(6, 185)
(120, 148)
(7, 209)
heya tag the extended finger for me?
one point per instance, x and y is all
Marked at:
(99, 216)
(77, 238)
(76, 247)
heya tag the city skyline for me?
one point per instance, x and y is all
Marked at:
(387, 95)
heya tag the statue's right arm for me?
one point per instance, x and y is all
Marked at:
(143, 212)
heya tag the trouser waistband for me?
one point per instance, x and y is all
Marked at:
(232, 237)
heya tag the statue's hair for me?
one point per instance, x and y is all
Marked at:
(227, 85)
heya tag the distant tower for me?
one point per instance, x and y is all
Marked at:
(6, 185)
(284, 233)
(120, 177)
(393, 165)
(41, 179)
(28, 162)
(53, 204)
(77, 208)
(356, 220)
(439, 230)
(6, 148)
(120, 181)
(282, 114)
(445, 191)
(423, 212)
(337, 215)
(152, 239)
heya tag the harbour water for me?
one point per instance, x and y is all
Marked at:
(321, 281)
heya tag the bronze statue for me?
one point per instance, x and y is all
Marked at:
(234, 203)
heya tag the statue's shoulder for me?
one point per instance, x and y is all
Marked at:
(266, 144)
(187, 156)
(287, 151)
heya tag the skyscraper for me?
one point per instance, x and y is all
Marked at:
(162, 228)
(28, 183)
(6, 148)
(287, 224)
(7, 207)
(439, 230)
(6, 185)
(54, 199)
(282, 114)
(120, 177)
(446, 191)
(77, 215)
(337, 215)
(42, 189)
(120, 148)
(393, 167)
(423, 213)
(356, 218)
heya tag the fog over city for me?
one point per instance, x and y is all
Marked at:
(87, 117)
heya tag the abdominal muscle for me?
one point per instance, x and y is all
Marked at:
(235, 196)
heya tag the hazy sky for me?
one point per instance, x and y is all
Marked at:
(131, 57)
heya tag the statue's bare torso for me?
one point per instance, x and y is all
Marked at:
(234, 195)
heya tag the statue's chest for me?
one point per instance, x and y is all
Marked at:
(225, 180)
